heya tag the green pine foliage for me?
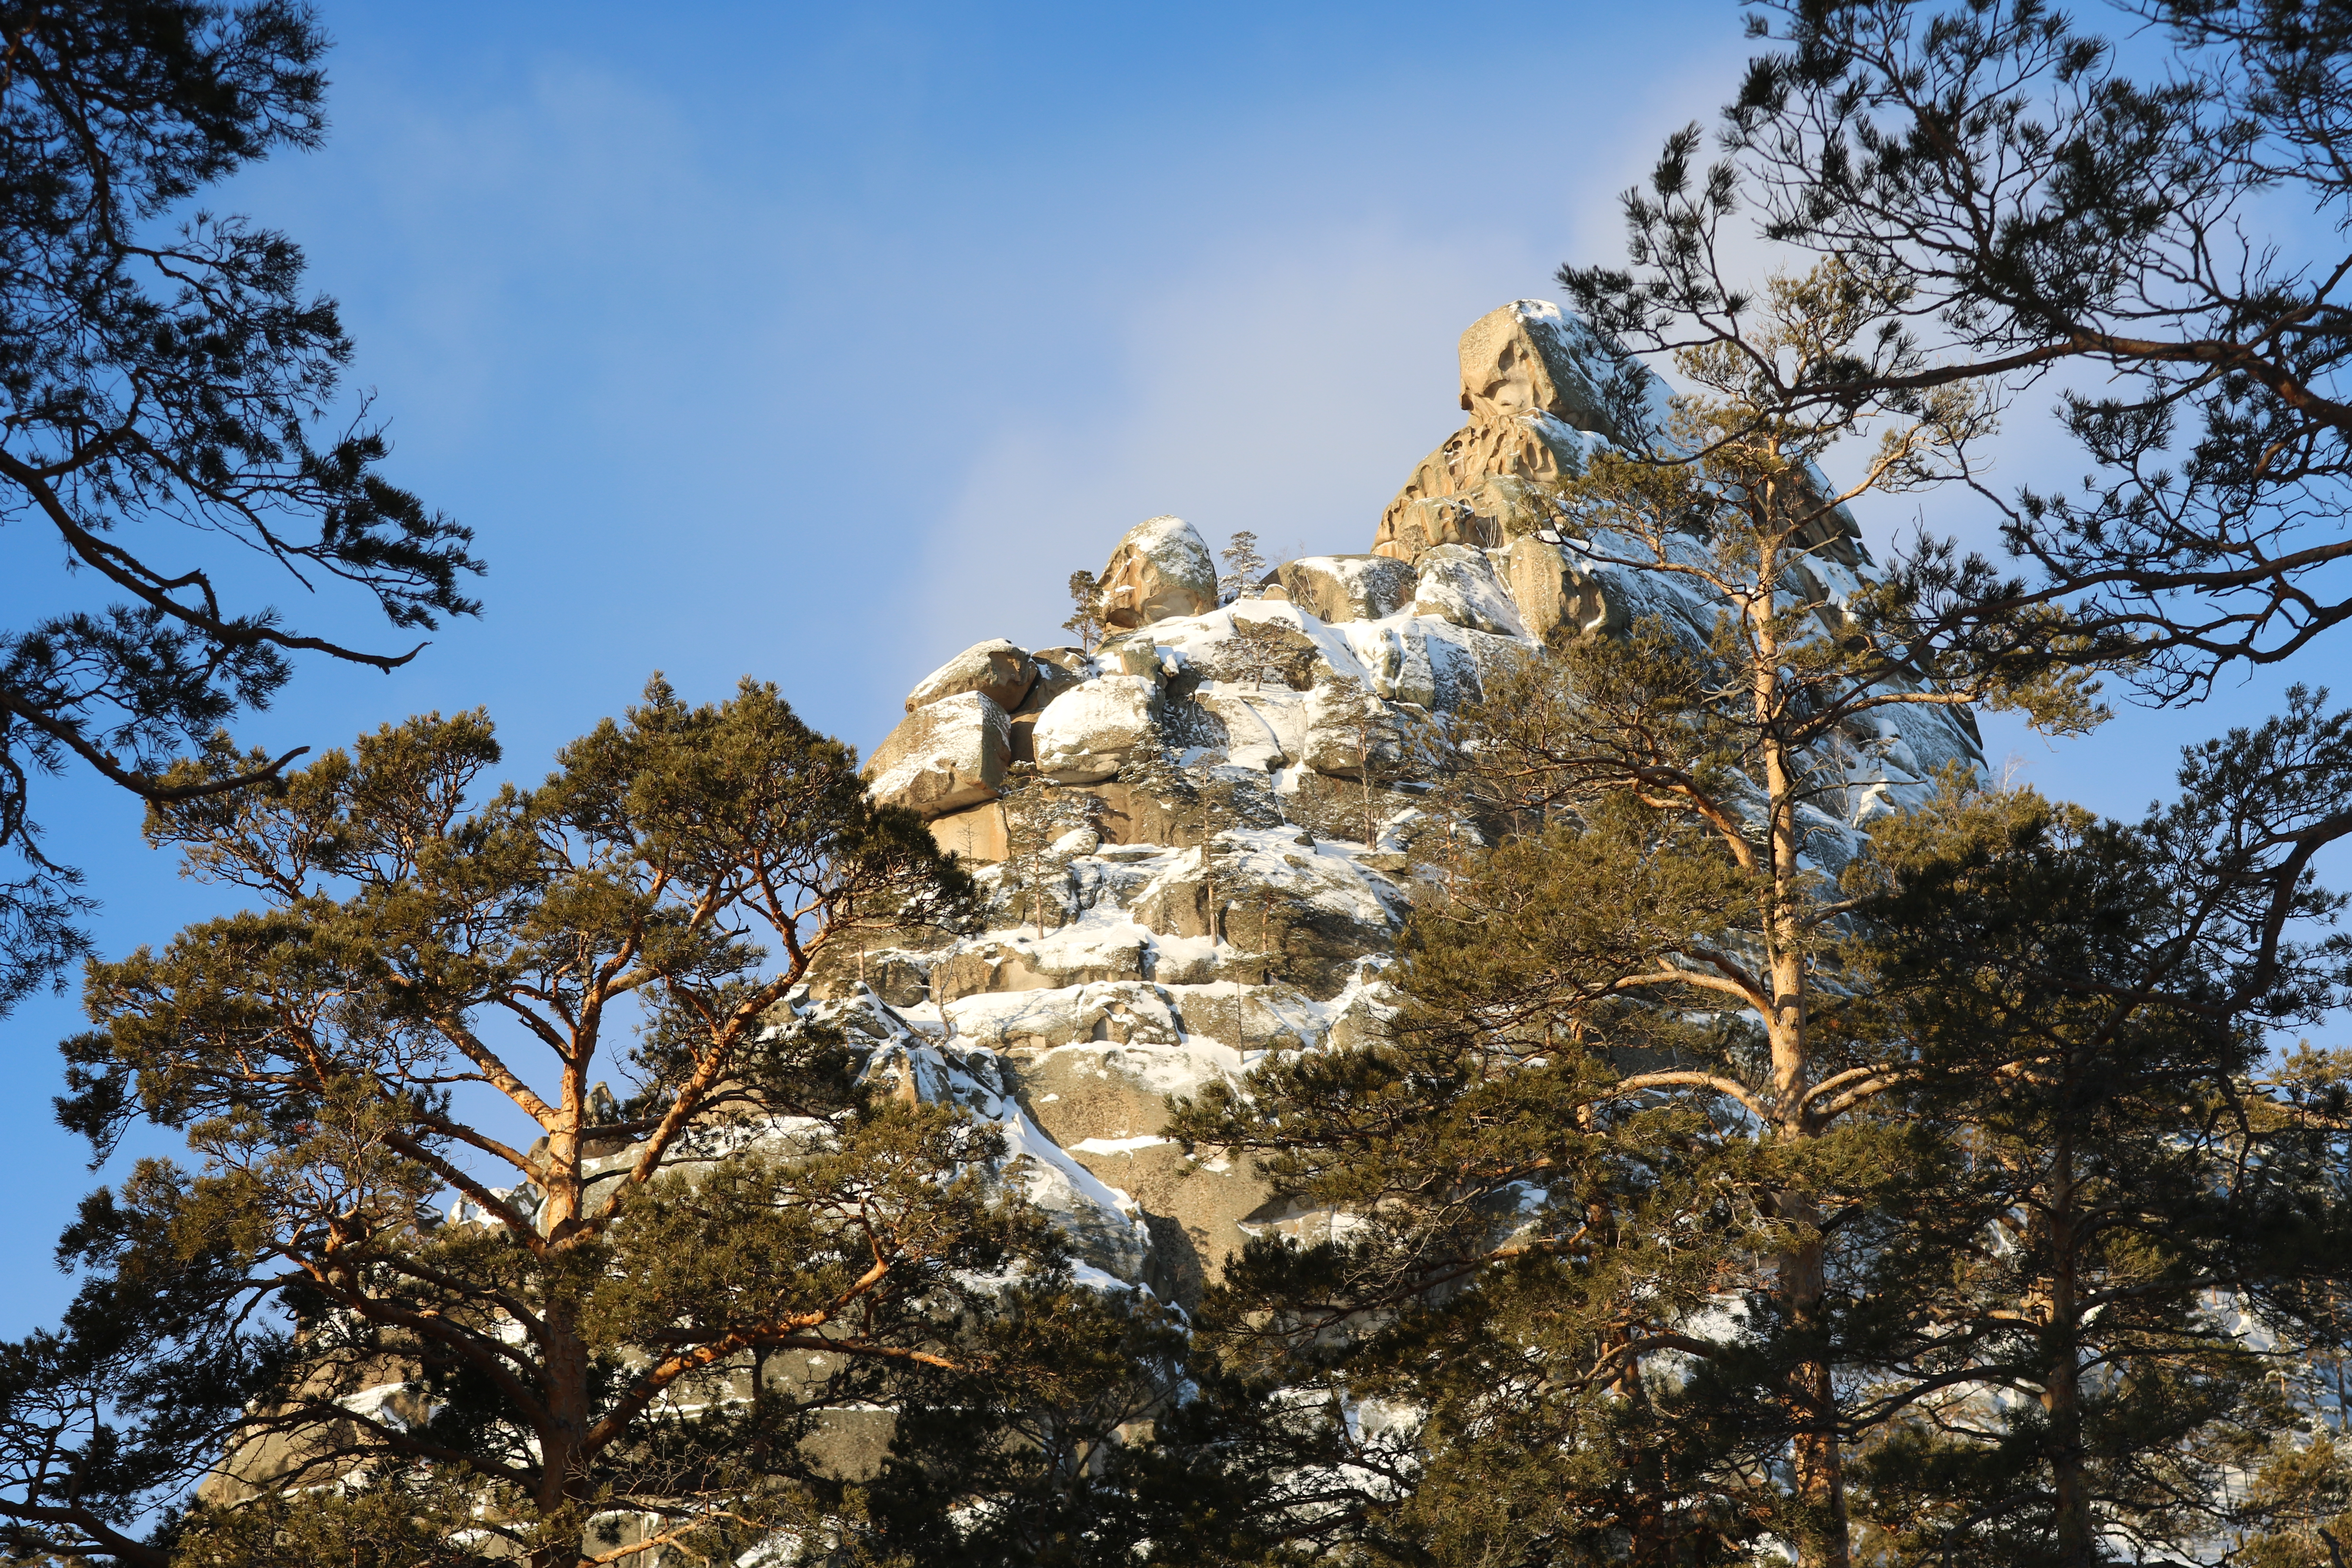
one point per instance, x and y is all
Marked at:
(1641, 1145)
(635, 1319)
(168, 375)
(2093, 1296)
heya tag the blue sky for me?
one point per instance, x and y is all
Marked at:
(817, 342)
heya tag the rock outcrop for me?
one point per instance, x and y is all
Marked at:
(1542, 396)
(944, 755)
(996, 669)
(1084, 735)
(1348, 587)
(1160, 569)
(1167, 943)
(1457, 582)
(1178, 935)
(1535, 404)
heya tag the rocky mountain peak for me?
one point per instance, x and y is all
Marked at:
(1198, 841)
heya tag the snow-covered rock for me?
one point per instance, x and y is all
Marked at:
(1348, 587)
(1457, 584)
(943, 756)
(1085, 733)
(995, 669)
(1160, 569)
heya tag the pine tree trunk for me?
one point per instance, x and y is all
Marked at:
(2062, 1396)
(561, 1470)
(1820, 1460)
(1803, 1281)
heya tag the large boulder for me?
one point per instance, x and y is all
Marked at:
(1159, 571)
(1458, 584)
(1529, 358)
(1347, 733)
(995, 668)
(1085, 734)
(1558, 598)
(1348, 587)
(943, 757)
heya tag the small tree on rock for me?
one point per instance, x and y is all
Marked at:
(1243, 565)
(1085, 622)
(1038, 813)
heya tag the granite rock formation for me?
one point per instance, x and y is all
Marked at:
(1178, 944)
(1178, 934)
(1159, 570)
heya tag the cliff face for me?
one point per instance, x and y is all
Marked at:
(1186, 865)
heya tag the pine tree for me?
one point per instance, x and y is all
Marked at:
(167, 374)
(1085, 622)
(568, 1337)
(1375, 742)
(2045, 201)
(2088, 1299)
(2071, 1171)
(1693, 767)
(1243, 565)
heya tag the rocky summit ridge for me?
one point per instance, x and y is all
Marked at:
(1151, 939)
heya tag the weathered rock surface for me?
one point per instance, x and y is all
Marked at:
(1348, 587)
(1160, 569)
(1557, 595)
(1531, 388)
(1085, 733)
(976, 832)
(1493, 509)
(996, 669)
(1457, 584)
(1529, 358)
(943, 756)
